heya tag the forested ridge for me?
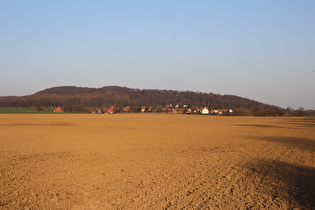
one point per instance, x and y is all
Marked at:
(66, 96)
(115, 95)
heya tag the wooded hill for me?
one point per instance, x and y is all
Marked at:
(123, 96)
(115, 95)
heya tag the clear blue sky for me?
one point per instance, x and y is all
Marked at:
(262, 50)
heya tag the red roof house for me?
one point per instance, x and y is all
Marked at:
(58, 109)
(110, 110)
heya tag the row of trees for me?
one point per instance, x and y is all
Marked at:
(274, 111)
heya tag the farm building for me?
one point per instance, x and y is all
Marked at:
(205, 110)
(221, 112)
(58, 109)
(110, 110)
(127, 109)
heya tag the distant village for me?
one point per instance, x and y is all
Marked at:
(169, 109)
(115, 99)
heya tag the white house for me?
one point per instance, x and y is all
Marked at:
(205, 110)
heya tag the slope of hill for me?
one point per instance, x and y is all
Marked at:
(115, 95)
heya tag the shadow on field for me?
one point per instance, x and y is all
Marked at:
(37, 124)
(303, 122)
(259, 126)
(301, 143)
(293, 183)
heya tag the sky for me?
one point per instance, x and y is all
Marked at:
(261, 50)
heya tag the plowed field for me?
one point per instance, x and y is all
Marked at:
(156, 161)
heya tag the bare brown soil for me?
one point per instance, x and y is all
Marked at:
(156, 161)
